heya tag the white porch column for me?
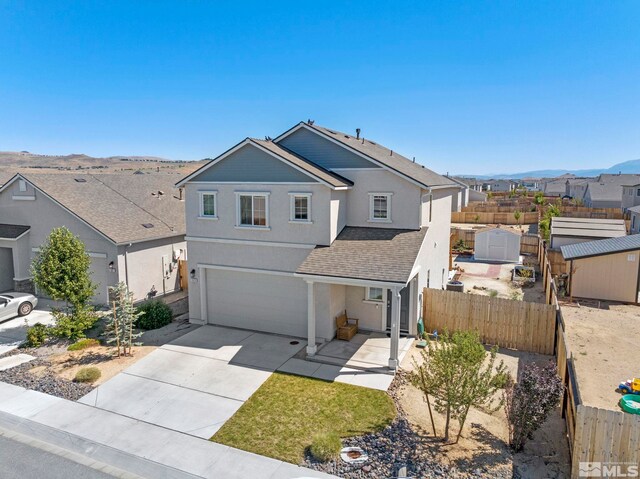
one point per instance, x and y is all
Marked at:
(395, 328)
(312, 348)
(202, 278)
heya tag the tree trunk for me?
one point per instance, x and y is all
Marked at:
(463, 419)
(446, 424)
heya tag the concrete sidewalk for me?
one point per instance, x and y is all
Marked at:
(14, 331)
(132, 445)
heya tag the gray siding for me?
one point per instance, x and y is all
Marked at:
(322, 151)
(6, 269)
(250, 164)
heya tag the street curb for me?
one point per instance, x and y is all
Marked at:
(91, 449)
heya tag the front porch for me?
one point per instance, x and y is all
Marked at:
(367, 351)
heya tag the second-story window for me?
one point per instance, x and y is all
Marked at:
(380, 207)
(208, 204)
(253, 209)
(300, 207)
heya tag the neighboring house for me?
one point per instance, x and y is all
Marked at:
(566, 231)
(530, 184)
(494, 243)
(606, 191)
(474, 189)
(605, 269)
(132, 227)
(286, 234)
(461, 199)
(634, 219)
(630, 196)
(498, 186)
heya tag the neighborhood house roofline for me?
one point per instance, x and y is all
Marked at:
(80, 218)
(328, 178)
(365, 156)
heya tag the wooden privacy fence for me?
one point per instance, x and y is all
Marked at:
(482, 217)
(526, 205)
(528, 243)
(509, 324)
(183, 274)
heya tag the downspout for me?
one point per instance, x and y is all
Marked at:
(126, 266)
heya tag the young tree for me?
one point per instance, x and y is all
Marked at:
(529, 402)
(61, 270)
(517, 215)
(538, 201)
(120, 328)
(459, 374)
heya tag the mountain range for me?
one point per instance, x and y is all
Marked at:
(631, 166)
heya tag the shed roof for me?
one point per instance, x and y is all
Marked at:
(601, 247)
(588, 227)
(373, 254)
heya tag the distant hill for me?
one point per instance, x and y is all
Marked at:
(77, 161)
(631, 166)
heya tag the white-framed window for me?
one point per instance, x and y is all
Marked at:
(300, 207)
(638, 192)
(22, 186)
(208, 204)
(374, 294)
(252, 210)
(380, 207)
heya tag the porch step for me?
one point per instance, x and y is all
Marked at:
(351, 364)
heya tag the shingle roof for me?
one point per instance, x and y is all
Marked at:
(327, 176)
(601, 247)
(12, 231)
(118, 205)
(395, 161)
(374, 254)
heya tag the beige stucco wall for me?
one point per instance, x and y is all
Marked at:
(611, 277)
(370, 314)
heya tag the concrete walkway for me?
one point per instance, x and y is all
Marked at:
(195, 383)
(131, 445)
(14, 331)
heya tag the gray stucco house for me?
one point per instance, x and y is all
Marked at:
(132, 226)
(286, 234)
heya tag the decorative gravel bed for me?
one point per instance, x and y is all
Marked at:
(44, 382)
(397, 446)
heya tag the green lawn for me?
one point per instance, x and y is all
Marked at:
(281, 417)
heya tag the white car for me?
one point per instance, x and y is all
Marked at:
(16, 304)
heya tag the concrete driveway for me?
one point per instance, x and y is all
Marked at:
(197, 382)
(14, 331)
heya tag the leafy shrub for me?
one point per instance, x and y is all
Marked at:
(493, 293)
(529, 402)
(156, 314)
(87, 375)
(73, 324)
(83, 344)
(501, 379)
(36, 335)
(325, 446)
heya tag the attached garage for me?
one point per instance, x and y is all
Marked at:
(275, 303)
(497, 244)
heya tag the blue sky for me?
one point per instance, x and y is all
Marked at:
(465, 87)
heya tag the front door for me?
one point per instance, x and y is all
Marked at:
(404, 309)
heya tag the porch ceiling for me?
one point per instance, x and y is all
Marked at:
(369, 254)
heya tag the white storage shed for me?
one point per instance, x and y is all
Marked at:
(497, 244)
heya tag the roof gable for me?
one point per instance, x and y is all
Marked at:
(252, 164)
(377, 155)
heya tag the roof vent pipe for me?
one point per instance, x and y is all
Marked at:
(414, 159)
(357, 133)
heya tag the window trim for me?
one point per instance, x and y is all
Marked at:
(369, 299)
(201, 195)
(292, 206)
(372, 196)
(22, 186)
(265, 195)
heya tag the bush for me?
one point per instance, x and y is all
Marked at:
(156, 314)
(87, 375)
(325, 446)
(36, 335)
(83, 344)
(529, 402)
(72, 325)
(501, 380)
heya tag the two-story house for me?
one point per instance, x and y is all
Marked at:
(285, 234)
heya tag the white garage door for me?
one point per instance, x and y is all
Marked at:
(261, 302)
